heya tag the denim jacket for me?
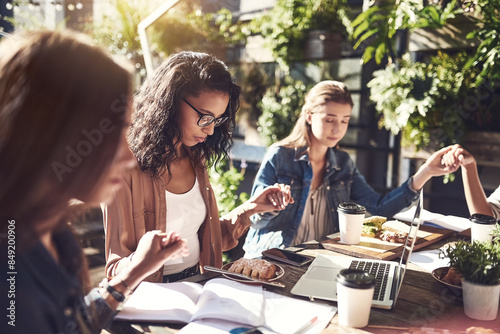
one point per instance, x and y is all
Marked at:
(342, 181)
(47, 298)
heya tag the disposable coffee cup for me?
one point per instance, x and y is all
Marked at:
(351, 216)
(354, 297)
(481, 227)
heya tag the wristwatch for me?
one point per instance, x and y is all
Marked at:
(117, 295)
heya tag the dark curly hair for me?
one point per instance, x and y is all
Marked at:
(155, 132)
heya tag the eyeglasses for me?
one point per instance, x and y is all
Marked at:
(206, 120)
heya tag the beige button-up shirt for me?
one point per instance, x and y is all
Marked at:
(140, 206)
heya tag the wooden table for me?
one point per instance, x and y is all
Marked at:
(424, 306)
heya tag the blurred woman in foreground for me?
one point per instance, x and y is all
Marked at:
(64, 110)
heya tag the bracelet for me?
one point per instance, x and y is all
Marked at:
(127, 288)
(117, 295)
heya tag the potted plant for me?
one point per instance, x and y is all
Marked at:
(479, 265)
(496, 233)
(292, 25)
(424, 101)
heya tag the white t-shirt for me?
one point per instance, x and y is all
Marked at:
(494, 201)
(185, 214)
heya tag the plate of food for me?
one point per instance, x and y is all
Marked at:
(254, 268)
(449, 277)
(373, 227)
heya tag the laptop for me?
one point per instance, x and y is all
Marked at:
(320, 279)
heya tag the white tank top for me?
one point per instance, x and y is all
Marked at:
(185, 214)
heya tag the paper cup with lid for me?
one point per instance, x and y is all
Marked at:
(481, 227)
(354, 297)
(351, 216)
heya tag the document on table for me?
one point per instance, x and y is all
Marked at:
(286, 315)
(450, 222)
(222, 305)
(282, 315)
(429, 259)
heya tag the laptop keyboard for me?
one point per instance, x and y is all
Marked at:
(381, 273)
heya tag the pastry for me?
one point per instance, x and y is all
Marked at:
(255, 268)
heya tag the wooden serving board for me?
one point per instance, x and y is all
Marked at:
(434, 234)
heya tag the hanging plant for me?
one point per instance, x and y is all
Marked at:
(421, 100)
(382, 21)
(487, 56)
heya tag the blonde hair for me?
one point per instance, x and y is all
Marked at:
(323, 92)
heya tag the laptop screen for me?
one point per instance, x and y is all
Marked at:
(408, 247)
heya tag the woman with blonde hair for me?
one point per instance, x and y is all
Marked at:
(64, 111)
(321, 176)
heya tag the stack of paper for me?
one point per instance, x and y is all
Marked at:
(450, 222)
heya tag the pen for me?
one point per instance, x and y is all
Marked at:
(252, 331)
(307, 326)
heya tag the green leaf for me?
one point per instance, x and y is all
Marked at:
(433, 13)
(364, 16)
(368, 54)
(380, 53)
(471, 35)
(362, 27)
(364, 37)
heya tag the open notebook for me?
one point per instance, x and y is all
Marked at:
(320, 279)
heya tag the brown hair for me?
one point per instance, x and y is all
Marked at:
(62, 105)
(323, 92)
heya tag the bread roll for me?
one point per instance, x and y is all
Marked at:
(255, 268)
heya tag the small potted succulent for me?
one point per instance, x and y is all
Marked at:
(479, 265)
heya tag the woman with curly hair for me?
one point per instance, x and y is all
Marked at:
(64, 110)
(183, 118)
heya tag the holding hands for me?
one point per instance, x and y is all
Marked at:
(271, 198)
(436, 165)
(458, 156)
(153, 250)
(475, 196)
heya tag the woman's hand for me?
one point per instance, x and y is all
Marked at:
(154, 249)
(271, 198)
(435, 165)
(459, 156)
